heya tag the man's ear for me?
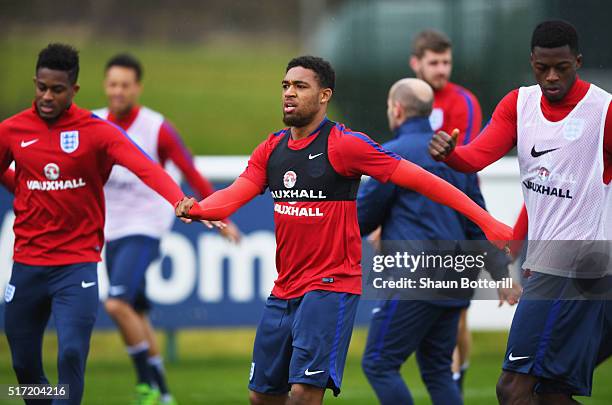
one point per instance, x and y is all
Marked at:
(414, 63)
(326, 95)
(76, 87)
(578, 61)
(398, 110)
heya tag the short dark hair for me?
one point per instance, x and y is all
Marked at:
(58, 56)
(322, 68)
(128, 61)
(430, 40)
(553, 34)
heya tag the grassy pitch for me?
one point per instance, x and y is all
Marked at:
(213, 368)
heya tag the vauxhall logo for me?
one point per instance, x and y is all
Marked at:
(278, 194)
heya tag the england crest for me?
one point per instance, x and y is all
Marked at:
(573, 129)
(69, 141)
(436, 119)
(9, 293)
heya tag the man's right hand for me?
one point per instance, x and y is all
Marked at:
(442, 144)
(182, 209)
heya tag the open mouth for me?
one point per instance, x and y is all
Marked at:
(289, 108)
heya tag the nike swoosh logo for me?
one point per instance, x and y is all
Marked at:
(535, 153)
(308, 372)
(87, 285)
(28, 143)
(512, 358)
(314, 156)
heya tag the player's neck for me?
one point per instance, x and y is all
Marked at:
(123, 114)
(298, 133)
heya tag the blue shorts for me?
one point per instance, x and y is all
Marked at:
(605, 349)
(34, 291)
(303, 341)
(555, 340)
(127, 260)
(34, 294)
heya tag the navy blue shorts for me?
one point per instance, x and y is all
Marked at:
(303, 341)
(70, 291)
(34, 294)
(127, 261)
(555, 340)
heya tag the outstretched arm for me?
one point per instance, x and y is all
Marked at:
(220, 204)
(8, 180)
(411, 176)
(123, 151)
(171, 147)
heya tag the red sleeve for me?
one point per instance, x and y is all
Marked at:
(256, 170)
(225, 202)
(6, 156)
(125, 152)
(607, 176)
(353, 153)
(476, 121)
(466, 116)
(521, 225)
(411, 176)
(519, 233)
(170, 146)
(8, 180)
(495, 140)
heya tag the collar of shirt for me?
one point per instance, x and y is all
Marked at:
(414, 125)
(558, 110)
(126, 121)
(302, 143)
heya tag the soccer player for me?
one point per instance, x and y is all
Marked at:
(312, 169)
(455, 108)
(132, 241)
(427, 326)
(63, 155)
(562, 128)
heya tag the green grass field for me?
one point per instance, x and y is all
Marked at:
(213, 368)
(223, 97)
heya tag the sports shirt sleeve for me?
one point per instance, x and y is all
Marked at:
(6, 155)
(225, 202)
(171, 147)
(413, 177)
(353, 154)
(472, 231)
(467, 118)
(123, 151)
(256, 170)
(496, 139)
(8, 180)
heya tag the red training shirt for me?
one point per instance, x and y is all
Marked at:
(60, 171)
(456, 107)
(311, 248)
